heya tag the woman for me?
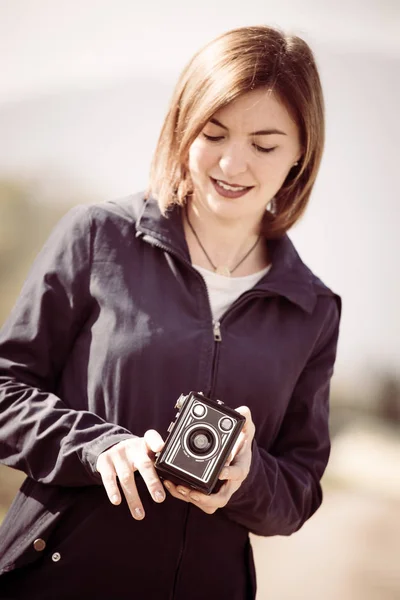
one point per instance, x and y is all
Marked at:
(192, 286)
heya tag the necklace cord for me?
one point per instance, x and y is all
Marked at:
(206, 253)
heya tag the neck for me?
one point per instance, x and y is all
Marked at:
(226, 241)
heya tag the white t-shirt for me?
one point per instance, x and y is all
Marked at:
(223, 291)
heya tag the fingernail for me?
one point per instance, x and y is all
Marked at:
(159, 496)
(224, 474)
(167, 485)
(115, 499)
(195, 497)
(183, 492)
(139, 514)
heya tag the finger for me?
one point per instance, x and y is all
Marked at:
(126, 478)
(109, 478)
(238, 446)
(173, 490)
(236, 472)
(183, 491)
(248, 427)
(153, 440)
(145, 466)
(210, 504)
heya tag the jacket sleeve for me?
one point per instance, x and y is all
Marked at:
(282, 489)
(39, 434)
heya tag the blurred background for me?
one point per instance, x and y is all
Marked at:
(84, 89)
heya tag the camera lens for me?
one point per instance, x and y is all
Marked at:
(201, 441)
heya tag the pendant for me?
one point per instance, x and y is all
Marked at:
(223, 270)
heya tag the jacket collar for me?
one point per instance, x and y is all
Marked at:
(288, 277)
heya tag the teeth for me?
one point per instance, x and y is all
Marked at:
(225, 186)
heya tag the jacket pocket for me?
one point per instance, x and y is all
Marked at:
(35, 512)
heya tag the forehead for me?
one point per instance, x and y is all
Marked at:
(257, 110)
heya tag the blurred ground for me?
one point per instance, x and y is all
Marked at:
(350, 549)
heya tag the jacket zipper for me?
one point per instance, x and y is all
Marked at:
(217, 331)
(217, 337)
(216, 324)
(217, 344)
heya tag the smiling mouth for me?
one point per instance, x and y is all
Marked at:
(231, 186)
(228, 190)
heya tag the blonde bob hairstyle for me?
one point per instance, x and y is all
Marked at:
(234, 63)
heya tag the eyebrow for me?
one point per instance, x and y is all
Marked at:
(261, 132)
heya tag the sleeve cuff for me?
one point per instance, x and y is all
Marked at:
(95, 448)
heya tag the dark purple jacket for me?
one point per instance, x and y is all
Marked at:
(112, 325)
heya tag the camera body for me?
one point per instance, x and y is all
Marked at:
(199, 442)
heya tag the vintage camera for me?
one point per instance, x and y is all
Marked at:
(199, 442)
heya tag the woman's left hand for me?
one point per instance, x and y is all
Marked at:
(234, 472)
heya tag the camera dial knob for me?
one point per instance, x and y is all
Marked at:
(199, 410)
(226, 424)
(180, 401)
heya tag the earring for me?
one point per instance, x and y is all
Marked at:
(296, 163)
(270, 206)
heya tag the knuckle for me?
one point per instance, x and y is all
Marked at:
(125, 477)
(132, 445)
(153, 483)
(132, 503)
(145, 462)
(114, 450)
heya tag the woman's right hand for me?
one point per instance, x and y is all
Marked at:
(122, 460)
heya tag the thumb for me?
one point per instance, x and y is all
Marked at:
(153, 440)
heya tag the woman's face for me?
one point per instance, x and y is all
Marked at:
(242, 157)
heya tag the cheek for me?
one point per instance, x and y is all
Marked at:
(200, 160)
(274, 172)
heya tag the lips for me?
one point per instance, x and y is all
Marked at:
(229, 190)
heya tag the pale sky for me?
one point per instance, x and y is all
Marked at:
(51, 44)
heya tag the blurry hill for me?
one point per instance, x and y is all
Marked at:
(25, 223)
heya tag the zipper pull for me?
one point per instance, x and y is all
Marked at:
(217, 331)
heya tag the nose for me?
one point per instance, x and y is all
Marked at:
(233, 161)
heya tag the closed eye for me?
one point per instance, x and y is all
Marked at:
(261, 149)
(213, 138)
(217, 138)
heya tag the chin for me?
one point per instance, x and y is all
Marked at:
(227, 209)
